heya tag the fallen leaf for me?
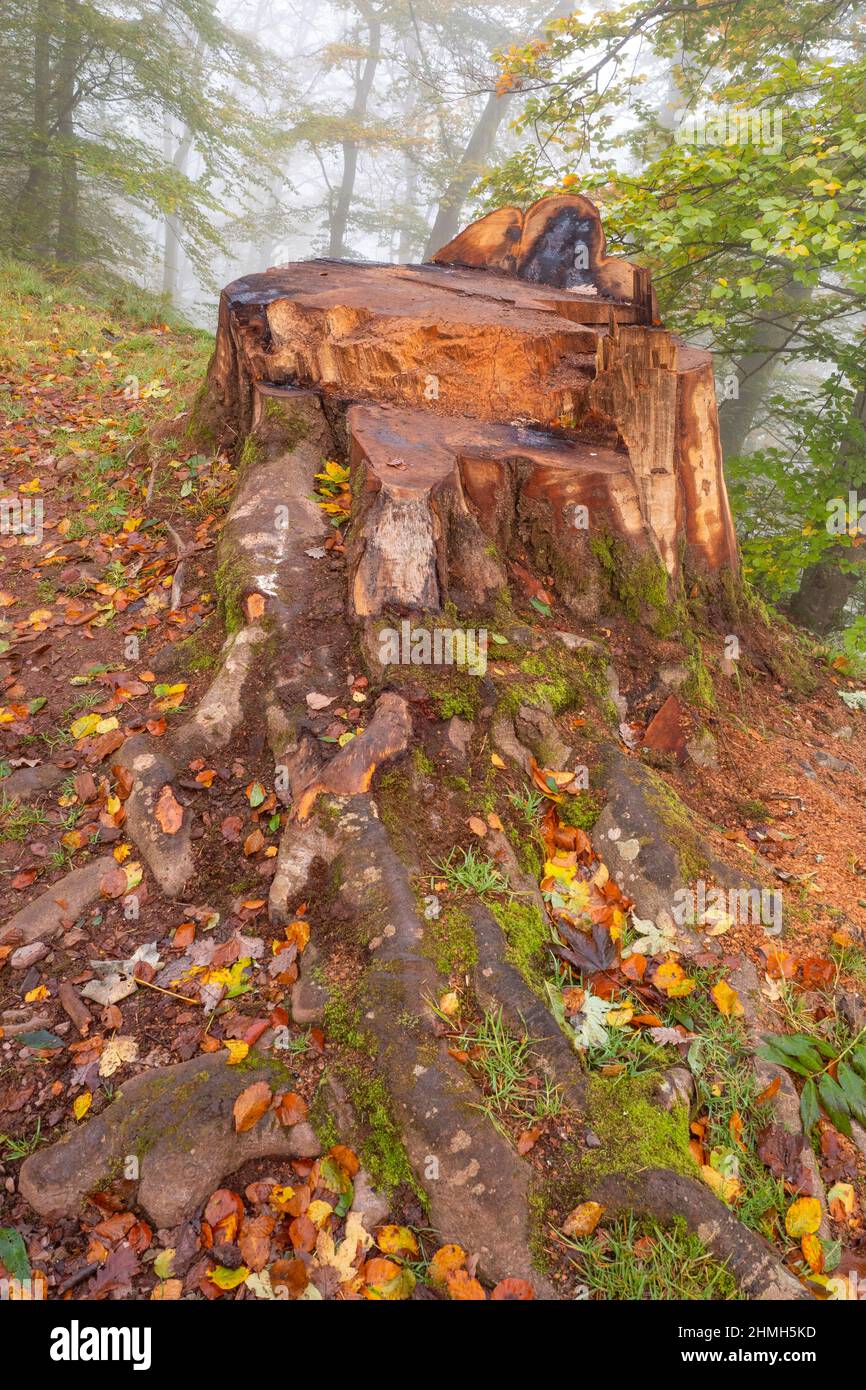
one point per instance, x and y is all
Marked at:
(583, 1220)
(169, 811)
(803, 1217)
(251, 1105)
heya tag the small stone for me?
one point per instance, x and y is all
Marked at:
(834, 764)
(25, 957)
(459, 735)
(673, 675)
(703, 749)
(370, 1205)
(852, 1008)
(591, 1139)
(309, 1000)
(575, 643)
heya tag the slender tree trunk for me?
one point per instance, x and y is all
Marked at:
(30, 221)
(449, 213)
(825, 588)
(340, 217)
(738, 417)
(67, 213)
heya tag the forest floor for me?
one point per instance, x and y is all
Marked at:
(94, 402)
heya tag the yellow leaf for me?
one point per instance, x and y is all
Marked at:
(83, 726)
(496, 760)
(671, 977)
(726, 1000)
(35, 996)
(228, 1278)
(803, 1217)
(449, 1004)
(318, 1212)
(237, 1051)
(82, 1104)
(583, 1220)
(726, 1188)
(396, 1240)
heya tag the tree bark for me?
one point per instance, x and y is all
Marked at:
(351, 146)
(825, 588)
(478, 148)
(67, 213)
(30, 223)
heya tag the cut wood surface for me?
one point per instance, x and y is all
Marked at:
(523, 344)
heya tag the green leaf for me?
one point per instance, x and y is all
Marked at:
(13, 1253)
(858, 1060)
(854, 1090)
(809, 1111)
(834, 1102)
(543, 608)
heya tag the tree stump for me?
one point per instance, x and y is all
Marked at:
(517, 390)
(511, 410)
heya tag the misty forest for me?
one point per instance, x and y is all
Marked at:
(432, 652)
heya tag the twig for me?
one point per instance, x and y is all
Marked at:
(183, 997)
(184, 550)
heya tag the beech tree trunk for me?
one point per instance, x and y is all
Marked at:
(517, 390)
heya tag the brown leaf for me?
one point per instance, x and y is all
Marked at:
(291, 1108)
(254, 842)
(255, 1240)
(251, 1105)
(169, 811)
(224, 1213)
(528, 1139)
(114, 884)
(302, 1233)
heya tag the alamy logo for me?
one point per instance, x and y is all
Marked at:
(443, 646)
(76, 1343)
(22, 516)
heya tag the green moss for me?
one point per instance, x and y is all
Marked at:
(251, 452)
(559, 680)
(684, 837)
(449, 942)
(698, 688)
(640, 583)
(421, 762)
(342, 1020)
(322, 1120)
(392, 794)
(327, 814)
(463, 703)
(382, 1151)
(530, 859)
(527, 939)
(228, 582)
(291, 426)
(538, 1201)
(635, 1134)
(581, 811)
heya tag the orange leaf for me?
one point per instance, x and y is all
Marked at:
(463, 1288)
(169, 811)
(251, 1105)
(517, 1289)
